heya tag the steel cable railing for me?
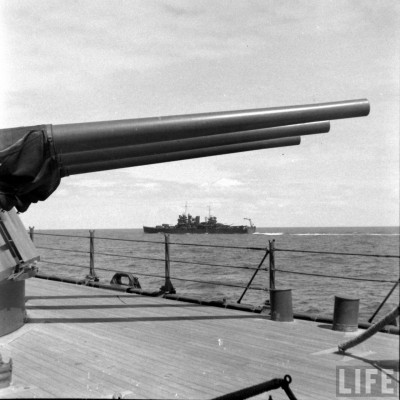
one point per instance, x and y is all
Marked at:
(268, 251)
(339, 253)
(335, 276)
(149, 258)
(158, 276)
(151, 241)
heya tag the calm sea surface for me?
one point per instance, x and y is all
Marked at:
(202, 271)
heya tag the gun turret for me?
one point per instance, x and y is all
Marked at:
(34, 159)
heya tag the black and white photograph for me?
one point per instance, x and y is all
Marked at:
(199, 199)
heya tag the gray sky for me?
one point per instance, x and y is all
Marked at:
(77, 61)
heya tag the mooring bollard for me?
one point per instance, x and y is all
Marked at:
(345, 314)
(281, 305)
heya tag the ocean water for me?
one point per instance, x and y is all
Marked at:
(198, 270)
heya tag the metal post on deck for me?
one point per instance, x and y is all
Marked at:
(280, 299)
(92, 273)
(272, 264)
(168, 287)
(31, 232)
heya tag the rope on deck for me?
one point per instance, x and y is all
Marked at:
(370, 331)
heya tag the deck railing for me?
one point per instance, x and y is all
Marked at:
(167, 260)
(267, 252)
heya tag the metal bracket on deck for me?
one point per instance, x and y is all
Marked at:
(168, 288)
(17, 251)
(23, 272)
(18, 256)
(133, 281)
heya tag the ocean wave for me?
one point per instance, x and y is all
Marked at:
(268, 233)
(343, 234)
(382, 234)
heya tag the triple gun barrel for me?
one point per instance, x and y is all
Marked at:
(98, 146)
(78, 148)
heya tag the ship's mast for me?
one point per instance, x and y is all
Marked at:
(251, 224)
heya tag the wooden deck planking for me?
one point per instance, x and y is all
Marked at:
(116, 355)
(158, 348)
(67, 378)
(116, 359)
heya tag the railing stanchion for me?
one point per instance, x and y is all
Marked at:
(31, 232)
(272, 264)
(92, 273)
(168, 287)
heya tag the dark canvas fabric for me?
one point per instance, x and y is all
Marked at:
(28, 172)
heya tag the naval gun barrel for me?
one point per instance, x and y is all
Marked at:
(180, 155)
(70, 138)
(34, 159)
(129, 156)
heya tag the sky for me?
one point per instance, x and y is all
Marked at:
(81, 61)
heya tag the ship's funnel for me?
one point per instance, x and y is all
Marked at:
(33, 159)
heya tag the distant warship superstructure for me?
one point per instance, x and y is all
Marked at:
(188, 224)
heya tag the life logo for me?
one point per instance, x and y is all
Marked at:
(363, 382)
